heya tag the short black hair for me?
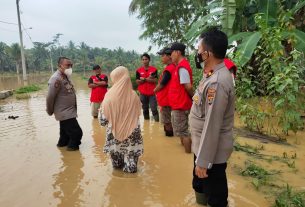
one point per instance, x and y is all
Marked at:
(216, 41)
(145, 55)
(60, 59)
(178, 46)
(96, 67)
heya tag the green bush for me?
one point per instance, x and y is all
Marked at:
(27, 89)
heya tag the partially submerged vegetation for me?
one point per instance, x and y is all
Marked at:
(28, 89)
(268, 179)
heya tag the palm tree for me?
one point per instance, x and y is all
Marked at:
(15, 54)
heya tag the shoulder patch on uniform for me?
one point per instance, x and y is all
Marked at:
(211, 95)
(57, 84)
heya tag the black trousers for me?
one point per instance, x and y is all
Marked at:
(149, 101)
(70, 133)
(215, 186)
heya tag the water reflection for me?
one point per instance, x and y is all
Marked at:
(67, 185)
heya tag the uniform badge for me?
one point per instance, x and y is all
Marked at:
(211, 95)
(196, 99)
(209, 74)
(57, 84)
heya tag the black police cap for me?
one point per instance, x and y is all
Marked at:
(166, 51)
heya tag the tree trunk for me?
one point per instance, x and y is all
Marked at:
(17, 68)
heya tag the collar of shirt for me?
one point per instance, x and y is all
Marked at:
(216, 68)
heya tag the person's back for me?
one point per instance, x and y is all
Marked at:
(120, 112)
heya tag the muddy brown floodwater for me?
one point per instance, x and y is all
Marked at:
(34, 172)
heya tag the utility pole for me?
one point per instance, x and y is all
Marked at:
(52, 69)
(21, 43)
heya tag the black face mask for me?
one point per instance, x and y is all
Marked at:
(198, 60)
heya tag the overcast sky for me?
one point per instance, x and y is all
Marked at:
(99, 23)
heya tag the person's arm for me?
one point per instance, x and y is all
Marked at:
(54, 87)
(189, 89)
(165, 79)
(138, 78)
(101, 82)
(91, 84)
(152, 78)
(186, 81)
(215, 106)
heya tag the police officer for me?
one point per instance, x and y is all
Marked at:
(61, 100)
(211, 121)
(146, 78)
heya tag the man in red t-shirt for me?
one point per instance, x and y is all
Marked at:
(98, 84)
(146, 78)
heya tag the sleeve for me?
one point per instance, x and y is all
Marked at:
(138, 75)
(103, 120)
(154, 74)
(184, 76)
(215, 106)
(90, 81)
(53, 89)
(165, 78)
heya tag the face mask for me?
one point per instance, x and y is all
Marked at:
(68, 72)
(199, 61)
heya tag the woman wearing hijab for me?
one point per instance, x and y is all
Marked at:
(120, 112)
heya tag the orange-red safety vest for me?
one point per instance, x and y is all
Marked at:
(98, 93)
(162, 95)
(146, 88)
(177, 95)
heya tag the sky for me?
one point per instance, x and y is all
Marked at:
(98, 23)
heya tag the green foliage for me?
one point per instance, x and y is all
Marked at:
(133, 81)
(260, 175)
(249, 114)
(290, 198)
(275, 72)
(166, 21)
(248, 148)
(27, 89)
(83, 57)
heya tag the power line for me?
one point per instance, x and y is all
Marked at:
(8, 22)
(24, 29)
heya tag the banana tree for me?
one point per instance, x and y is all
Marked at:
(248, 41)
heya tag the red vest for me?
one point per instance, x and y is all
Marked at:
(146, 88)
(98, 93)
(177, 95)
(231, 66)
(162, 95)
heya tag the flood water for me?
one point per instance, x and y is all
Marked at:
(34, 172)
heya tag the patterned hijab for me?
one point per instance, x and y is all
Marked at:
(121, 105)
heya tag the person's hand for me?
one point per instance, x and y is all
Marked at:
(142, 79)
(201, 172)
